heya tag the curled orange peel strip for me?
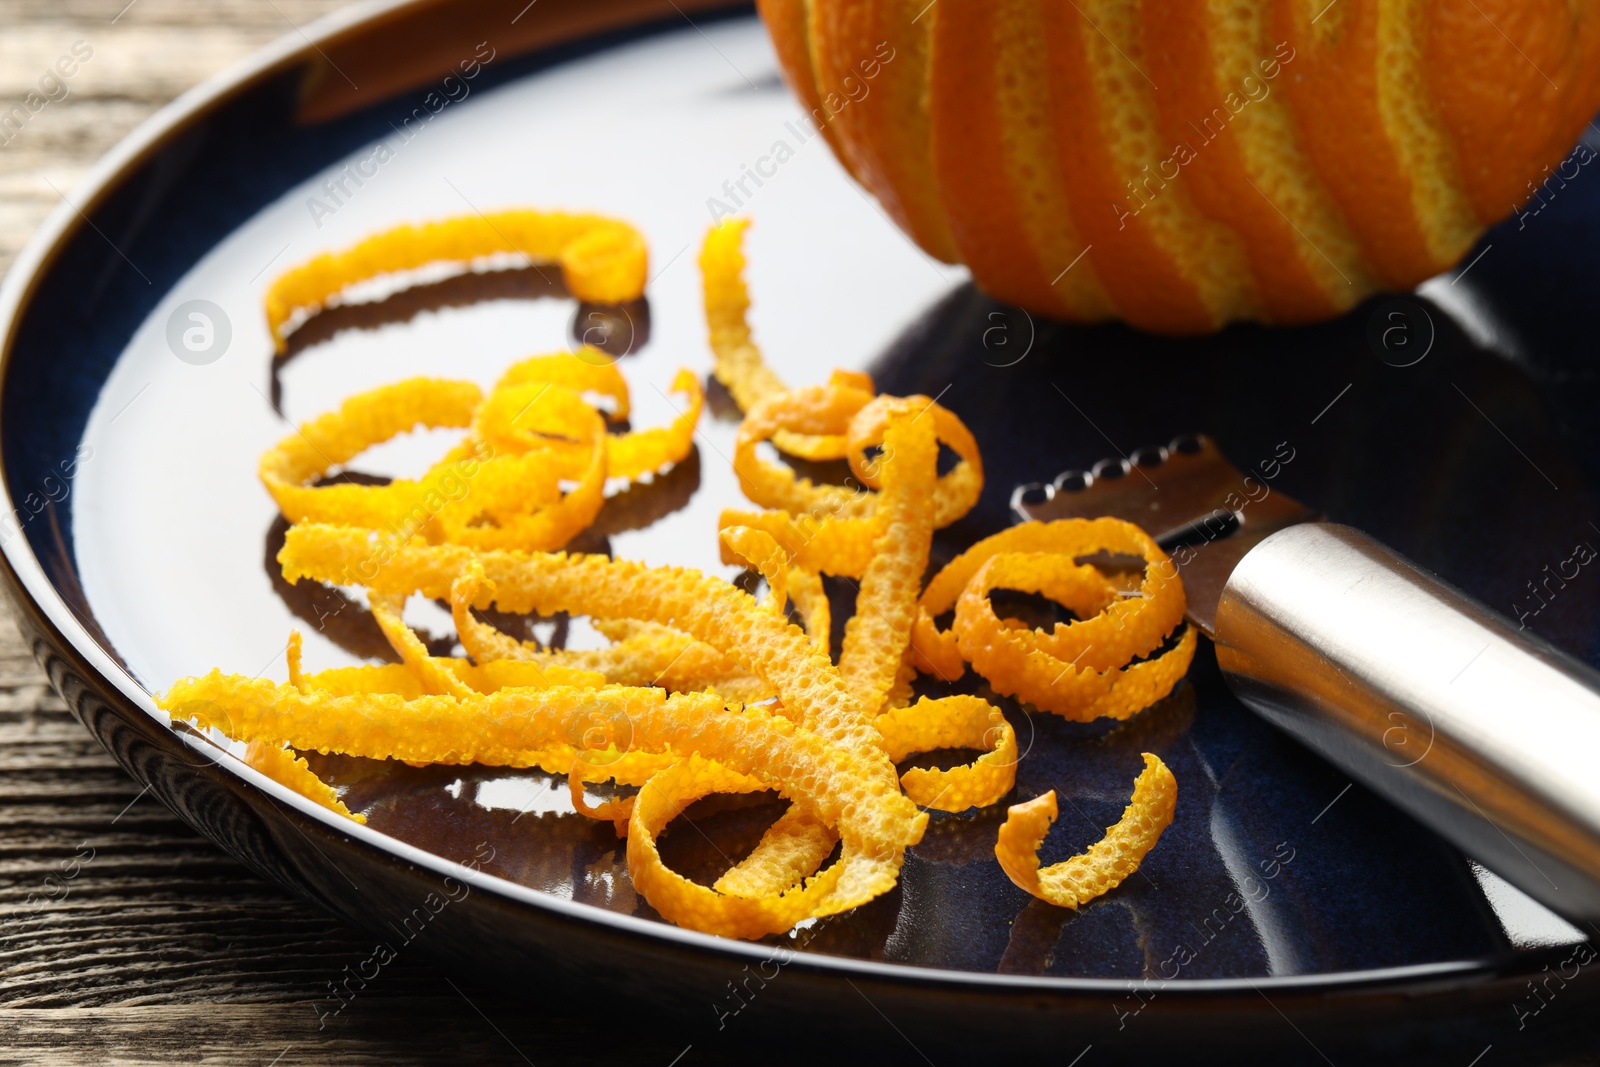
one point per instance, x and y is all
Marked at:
(647, 451)
(1127, 628)
(689, 904)
(587, 370)
(501, 488)
(644, 653)
(739, 367)
(957, 491)
(551, 410)
(1108, 862)
(434, 677)
(362, 421)
(1029, 665)
(797, 844)
(953, 722)
(873, 661)
(811, 410)
(792, 848)
(603, 261)
(875, 636)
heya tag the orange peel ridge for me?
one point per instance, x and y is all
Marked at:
(1107, 863)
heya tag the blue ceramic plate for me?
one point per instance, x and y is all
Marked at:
(1286, 915)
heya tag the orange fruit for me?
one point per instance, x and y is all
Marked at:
(1183, 164)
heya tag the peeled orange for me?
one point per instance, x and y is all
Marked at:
(1185, 163)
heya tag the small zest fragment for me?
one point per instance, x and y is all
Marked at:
(286, 768)
(759, 550)
(617, 811)
(1108, 862)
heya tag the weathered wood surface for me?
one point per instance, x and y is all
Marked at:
(158, 948)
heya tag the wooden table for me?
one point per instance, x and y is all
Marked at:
(160, 948)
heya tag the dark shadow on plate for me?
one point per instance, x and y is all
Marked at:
(616, 329)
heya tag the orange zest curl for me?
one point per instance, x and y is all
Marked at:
(953, 722)
(739, 364)
(503, 486)
(1080, 670)
(603, 261)
(1108, 863)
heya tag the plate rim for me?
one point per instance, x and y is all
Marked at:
(37, 595)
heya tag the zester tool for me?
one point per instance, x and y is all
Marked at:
(1483, 731)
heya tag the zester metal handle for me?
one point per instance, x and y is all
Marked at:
(1486, 733)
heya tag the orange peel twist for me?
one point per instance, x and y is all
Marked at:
(1108, 862)
(603, 261)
